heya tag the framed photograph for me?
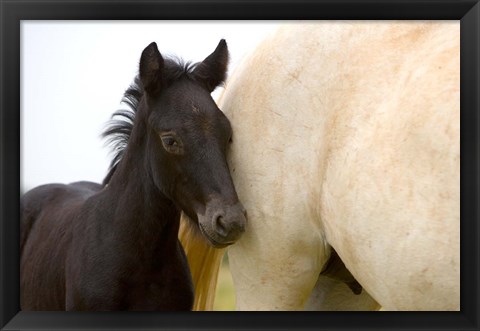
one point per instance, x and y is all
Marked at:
(66, 66)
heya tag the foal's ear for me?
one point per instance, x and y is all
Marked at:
(151, 66)
(213, 70)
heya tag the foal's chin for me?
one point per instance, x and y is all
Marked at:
(220, 224)
(213, 240)
(193, 223)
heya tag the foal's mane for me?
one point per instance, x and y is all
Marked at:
(119, 127)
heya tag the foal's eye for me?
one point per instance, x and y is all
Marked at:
(169, 141)
(171, 144)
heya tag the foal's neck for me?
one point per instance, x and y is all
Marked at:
(141, 209)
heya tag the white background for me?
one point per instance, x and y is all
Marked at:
(74, 73)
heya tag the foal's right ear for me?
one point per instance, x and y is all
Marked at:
(151, 67)
(213, 70)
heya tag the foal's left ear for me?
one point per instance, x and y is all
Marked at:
(213, 70)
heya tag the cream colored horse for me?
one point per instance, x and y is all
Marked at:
(346, 135)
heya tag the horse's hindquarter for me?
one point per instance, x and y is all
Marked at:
(390, 195)
(349, 130)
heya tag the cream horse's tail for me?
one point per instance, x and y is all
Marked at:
(204, 261)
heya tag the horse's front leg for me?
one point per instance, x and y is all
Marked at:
(94, 298)
(276, 269)
(86, 290)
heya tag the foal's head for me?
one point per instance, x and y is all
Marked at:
(186, 141)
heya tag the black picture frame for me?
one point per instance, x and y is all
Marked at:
(13, 11)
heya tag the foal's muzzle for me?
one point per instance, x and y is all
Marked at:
(222, 224)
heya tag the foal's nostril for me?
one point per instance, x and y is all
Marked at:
(220, 226)
(228, 223)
